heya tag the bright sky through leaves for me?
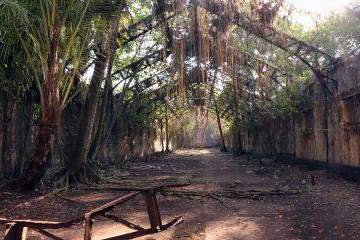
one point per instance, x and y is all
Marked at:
(317, 7)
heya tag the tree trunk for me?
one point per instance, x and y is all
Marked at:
(167, 147)
(78, 165)
(237, 142)
(223, 146)
(100, 134)
(162, 135)
(50, 112)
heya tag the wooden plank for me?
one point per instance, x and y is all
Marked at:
(172, 223)
(108, 206)
(41, 224)
(102, 210)
(130, 189)
(15, 231)
(146, 231)
(124, 222)
(88, 226)
(133, 235)
(48, 234)
(152, 209)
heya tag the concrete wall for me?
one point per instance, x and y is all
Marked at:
(124, 142)
(121, 147)
(18, 129)
(326, 129)
(15, 135)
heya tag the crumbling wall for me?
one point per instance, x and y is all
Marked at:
(326, 130)
(18, 127)
(15, 135)
(123, 145)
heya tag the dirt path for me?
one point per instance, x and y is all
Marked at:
(328, 210)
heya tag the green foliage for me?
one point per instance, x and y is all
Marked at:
(185, 125)
(337, 34)
(288, 100)
(14, 78)
(25, 24)
(24, 42)
(37, 112)
(138, 112)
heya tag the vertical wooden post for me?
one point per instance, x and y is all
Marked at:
(152, 209)
(15, 231)
(88, 227)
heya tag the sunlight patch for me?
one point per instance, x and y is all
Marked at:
(240, 228)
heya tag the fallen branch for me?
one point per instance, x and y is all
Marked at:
(230, 193)
(115, 187)
(8, 193)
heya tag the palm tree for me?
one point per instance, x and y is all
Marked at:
(57, 36)
(39, 27)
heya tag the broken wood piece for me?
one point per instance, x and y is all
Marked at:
(231, 193)
(8, 193)
(108, 206)
(124, 222)
(15, 231)
(131, 189)
(88, 226)
(133, 235)
(152, 209)
(48, 234)
(41, 224)
(144, 232)
(17, 228)
(172, 223)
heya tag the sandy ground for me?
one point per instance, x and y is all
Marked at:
(328, 210)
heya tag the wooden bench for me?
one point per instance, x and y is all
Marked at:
(16, 229)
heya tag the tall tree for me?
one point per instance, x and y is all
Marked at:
(39, 27)
(78, 165)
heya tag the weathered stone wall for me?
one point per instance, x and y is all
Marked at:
(121, 147)
(15, 135)
(124, 143)
(18, 129)
(326, 130)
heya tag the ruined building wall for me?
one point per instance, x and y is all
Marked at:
(16, 132)
(18, 127)
(326, 130)
(124, 142)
